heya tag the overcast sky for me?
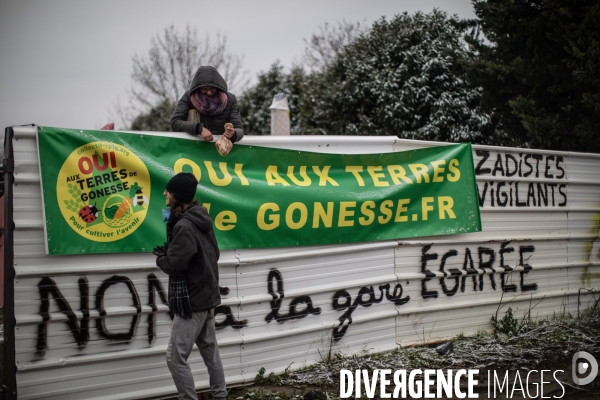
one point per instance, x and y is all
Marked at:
(65, 63)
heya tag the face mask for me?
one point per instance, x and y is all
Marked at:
(166, 213)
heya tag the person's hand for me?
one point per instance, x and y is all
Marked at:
(206, 135)
(229, 131)
(160, 251)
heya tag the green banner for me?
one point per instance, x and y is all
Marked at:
(103, 192)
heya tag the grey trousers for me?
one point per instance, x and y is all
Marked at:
(200, 329)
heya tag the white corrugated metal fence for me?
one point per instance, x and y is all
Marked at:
(97, 326)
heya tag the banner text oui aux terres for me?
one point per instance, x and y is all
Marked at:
(103, 192)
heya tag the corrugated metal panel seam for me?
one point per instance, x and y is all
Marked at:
(45, 269)
(533, 180)
(23, 225)
(42, 269)
(161, 350)
(316, 289)
(126, 311)
(31, 133)
(240, 359)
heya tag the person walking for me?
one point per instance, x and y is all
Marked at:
(190, 258)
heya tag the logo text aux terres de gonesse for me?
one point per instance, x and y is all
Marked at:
(102, 190)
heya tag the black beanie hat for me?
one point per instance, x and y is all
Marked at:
(183, 187)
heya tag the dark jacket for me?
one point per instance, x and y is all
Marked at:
(207, 76)
(193, 252)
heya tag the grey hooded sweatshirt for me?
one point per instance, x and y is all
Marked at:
(207, 76)
(193, 252)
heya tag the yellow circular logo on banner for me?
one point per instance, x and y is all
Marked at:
(101, 191)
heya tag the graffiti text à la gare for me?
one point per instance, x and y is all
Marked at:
(478, 273)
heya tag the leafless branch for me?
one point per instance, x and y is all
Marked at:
(323, 47)
(165, 72)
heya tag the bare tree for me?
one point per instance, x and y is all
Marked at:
(323, 47)
(163, 74)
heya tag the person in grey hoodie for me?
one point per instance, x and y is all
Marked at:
(190, 258)
(208, 94)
